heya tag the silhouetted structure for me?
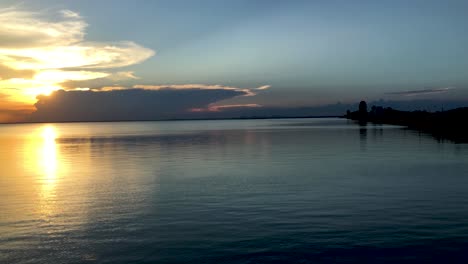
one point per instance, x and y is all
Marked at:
(452, 124)
(363, 109)
(361, 115)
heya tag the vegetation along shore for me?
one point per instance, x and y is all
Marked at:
(451, 124)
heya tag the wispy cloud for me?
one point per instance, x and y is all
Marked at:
(8, 73)
(246, 91)
(422, 92)
(264, 87)
(219, 108)
(70, 14)
(124, 75)
(21, 29)
(30, 41)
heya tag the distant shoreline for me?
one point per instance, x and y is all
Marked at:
(172, 120)
(450, 124)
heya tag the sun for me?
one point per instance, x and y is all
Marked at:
(46, 90)
(26, 91)
(42, 90)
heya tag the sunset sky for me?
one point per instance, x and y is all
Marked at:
(195, 56)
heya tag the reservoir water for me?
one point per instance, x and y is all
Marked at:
(233, 191)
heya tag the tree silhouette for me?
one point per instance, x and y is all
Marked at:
(363, 107)
(363, 111)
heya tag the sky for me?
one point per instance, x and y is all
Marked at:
(212, 56)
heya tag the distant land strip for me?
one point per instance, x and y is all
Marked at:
(451, 124)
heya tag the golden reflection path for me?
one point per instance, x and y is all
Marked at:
(47, 159)
(47, 165)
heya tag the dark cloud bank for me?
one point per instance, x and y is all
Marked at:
(141, 104)
(129, 104)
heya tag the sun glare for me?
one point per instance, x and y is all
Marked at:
(48, 160)
(46, 90)
(26, 90)
(48, 134)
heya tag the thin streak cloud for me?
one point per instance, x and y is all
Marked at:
(246, 91)
(422, 92)
(220, 108)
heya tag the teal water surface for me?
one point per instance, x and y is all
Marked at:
(234, 191)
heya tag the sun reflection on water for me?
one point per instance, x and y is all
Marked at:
(48, 154)
(48, 167)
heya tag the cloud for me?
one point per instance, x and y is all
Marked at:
(30, 41)
(422, 92)
(8, 73)
(69, 14)
(107, 80)
(264, 87)
(219, 108)
(223, 107)
(11, 111)
(85, 55)
(125, 75)
(57, 75)
(246, 91)
(41, 50)
(20, 29)
(12, 115)
(126, 104)
(109, 89)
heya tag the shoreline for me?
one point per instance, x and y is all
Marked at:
(450, 124)
(175, 120)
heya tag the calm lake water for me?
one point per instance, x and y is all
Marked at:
(237, 191)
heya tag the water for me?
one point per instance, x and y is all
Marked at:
(239, 191)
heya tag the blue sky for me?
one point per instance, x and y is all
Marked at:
(310, 52)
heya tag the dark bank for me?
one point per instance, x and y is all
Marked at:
(451, 124)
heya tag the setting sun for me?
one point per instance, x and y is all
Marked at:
(44, 90)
